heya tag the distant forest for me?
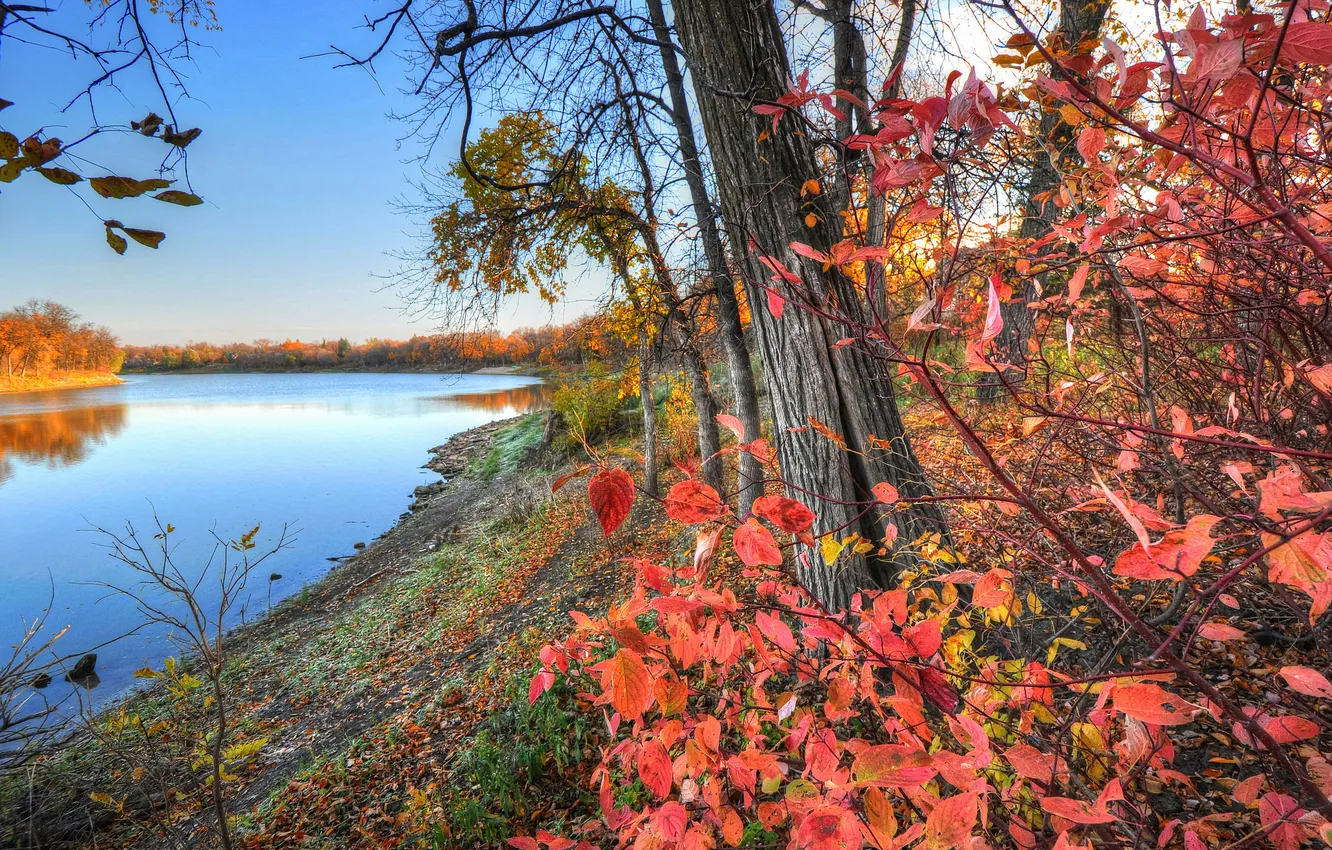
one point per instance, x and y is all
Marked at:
(43, 337)
(553, 345)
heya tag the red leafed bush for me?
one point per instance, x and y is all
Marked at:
(1140, 534)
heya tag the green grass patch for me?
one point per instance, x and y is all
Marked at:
(508, 447)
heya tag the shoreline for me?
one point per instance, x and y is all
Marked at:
(437, 517)
(521, 371)
(66, 381)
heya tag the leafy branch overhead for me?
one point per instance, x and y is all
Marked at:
(34, 155)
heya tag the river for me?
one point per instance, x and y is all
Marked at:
(333, 457)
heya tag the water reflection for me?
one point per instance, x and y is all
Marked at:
(516, 400)
(57, 437)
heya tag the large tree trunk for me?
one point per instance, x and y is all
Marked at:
(737, 47)
(1079, 22)
(750, 472)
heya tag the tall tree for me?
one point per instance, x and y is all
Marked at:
(737, 57)
(1055, 148)
(750, 472)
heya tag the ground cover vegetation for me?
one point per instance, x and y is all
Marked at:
(1021, 533)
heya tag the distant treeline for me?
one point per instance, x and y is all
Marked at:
(42, 337)
(552, 345)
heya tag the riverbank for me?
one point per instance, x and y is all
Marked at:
(58, 381)
(524, 370)
(363, 692)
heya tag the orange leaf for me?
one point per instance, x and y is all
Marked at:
(627, 679)
(886, 493)
(1154, 705)
(1077, 811)
(949, 823)
(893, 766)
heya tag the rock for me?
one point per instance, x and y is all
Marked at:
(41, 680)
(360, 544)
(425, 491)
(84, 668)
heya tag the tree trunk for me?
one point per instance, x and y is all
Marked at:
(738, 47)
(749, 484)
(681, 328)
(649, 414)
(1079, 22)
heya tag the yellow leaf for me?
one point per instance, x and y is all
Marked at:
(1070, 114)
(830, 548)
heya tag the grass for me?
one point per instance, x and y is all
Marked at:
(509, 446)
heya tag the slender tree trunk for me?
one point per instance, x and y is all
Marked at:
(649, 414)
(681, 328)
(1079, 21)
(737, 47)
(750, 472)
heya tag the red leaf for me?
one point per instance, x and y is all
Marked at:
(886, 493)
(693, 501)
(654, 767)
(1289, 728)
(1091, 141)
(925, 637)
(1220, 631)
(1077, 811)
(994, 317)
(829, 828)
(755, 546)
(524, 842)
(1178, 554)
(1077, 282)
(1154, 705)
(1308, 41)
(541, 683)
(611, 492)
(1308, 681)
(1282, 814)
(934, 687)
(730, 423)
(787, 514)
(776, 303)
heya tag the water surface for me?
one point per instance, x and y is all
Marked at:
(333, 455)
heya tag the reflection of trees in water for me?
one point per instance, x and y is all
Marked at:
(57, 437)
(522, 399)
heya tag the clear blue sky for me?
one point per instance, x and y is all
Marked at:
(298, 164)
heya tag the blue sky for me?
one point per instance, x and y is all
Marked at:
(298, 164)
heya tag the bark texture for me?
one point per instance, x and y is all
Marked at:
(737, 59)
(749, 472)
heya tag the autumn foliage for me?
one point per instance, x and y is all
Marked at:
(1136, 523)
